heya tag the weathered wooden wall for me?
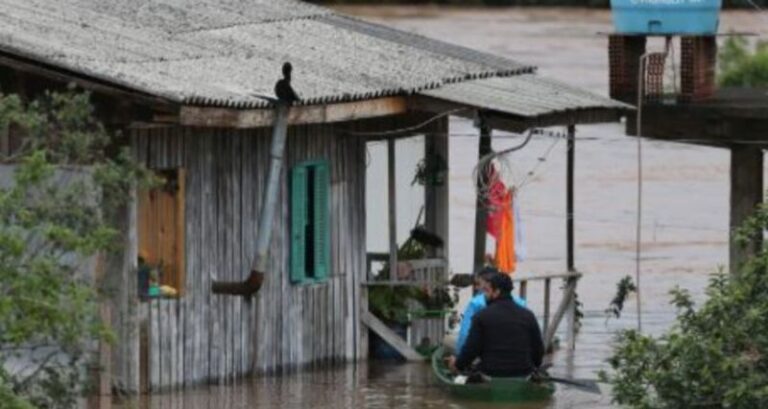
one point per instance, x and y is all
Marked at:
(204, 337)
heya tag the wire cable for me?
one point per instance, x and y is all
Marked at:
(618, 139)
(542, 159)
(407, 129)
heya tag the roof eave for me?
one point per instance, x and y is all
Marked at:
(25, 63)
(511, 122)
(199, 116)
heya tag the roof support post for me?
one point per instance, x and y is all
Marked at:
(746, 195)
(571, 159)
(484, 149)
(436, 195)
(392, 205)
(569, 230)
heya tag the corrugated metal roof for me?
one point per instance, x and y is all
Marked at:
(527, 96)
(227, 52)
(223, 52)
(420, 42)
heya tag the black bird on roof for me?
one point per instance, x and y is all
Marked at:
(283, 89)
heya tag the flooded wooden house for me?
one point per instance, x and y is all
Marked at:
(185, 82)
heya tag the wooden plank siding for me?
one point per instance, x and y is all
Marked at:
(201, 337)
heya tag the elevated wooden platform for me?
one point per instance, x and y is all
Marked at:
(733, 116)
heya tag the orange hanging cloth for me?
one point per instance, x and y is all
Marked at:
(506, 261)
(497, 191)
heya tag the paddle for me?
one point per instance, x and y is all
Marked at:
(586, 385)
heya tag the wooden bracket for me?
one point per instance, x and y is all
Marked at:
(382, 330)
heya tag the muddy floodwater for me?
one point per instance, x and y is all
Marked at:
(684, 225)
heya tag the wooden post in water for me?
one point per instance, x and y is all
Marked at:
(562, 309)
(101, 367)
(392, 205)
(436, 197)
(571, 155)
(480, 211)
(746, 195)
(121, 281)
(547, 290)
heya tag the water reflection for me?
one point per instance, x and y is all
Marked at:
(372, 385)
(684, 243)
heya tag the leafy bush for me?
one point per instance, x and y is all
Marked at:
(56, 205)
(715, 356)
(741, 68)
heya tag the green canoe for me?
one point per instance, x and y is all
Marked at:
(510, 390)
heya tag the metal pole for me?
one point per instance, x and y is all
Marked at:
(279, 133)
(638, 232)
(392, 203)
(259, 266)
(547, 291)
(569, 197)
(484, 149)
(569, 229)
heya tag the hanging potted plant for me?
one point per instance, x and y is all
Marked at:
(431, 171)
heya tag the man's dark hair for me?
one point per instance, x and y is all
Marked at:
(487, 273)
(503, 283)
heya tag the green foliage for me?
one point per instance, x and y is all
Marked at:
(431, 171)
(391, 303)
(578, 312)
(10, 400)
(715, 356)
(623, 289)
(739, 67)
(58, 195)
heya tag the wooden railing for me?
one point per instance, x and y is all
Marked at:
(432, 273)
(567, 303)
(423, 273)
(420, 272)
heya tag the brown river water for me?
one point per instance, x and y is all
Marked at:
(685, 216)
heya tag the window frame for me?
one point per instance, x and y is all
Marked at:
(178, 225)
(322, 212)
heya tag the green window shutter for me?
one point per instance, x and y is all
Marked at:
(298, 223)
(322, 234)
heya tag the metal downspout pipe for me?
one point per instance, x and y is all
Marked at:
(254, 281)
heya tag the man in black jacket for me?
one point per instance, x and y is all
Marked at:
(505, 336)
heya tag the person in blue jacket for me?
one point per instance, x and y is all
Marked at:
(478, 302)
(505, 337)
